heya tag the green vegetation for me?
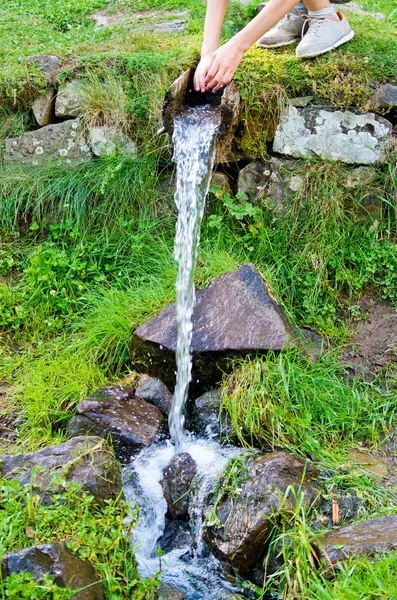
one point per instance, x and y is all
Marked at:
(99, 534)
(290, 402)
(86, 255)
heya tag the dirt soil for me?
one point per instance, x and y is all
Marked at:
(374, 343)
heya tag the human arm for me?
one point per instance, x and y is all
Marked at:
(227, 58)
(215, 14)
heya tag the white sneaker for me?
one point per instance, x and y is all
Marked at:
(287, 31)
(323, 34)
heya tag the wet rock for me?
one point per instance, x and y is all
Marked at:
(244, 523)
(58, 561)
(10, 420)
(177, 534)
(155, 392)
(131, 422)
(385, 97)
(333, 135)
(69, 100)
(165, 591)
(364, 538)
(61, 142)
(43, 108)
(176, 484)
(274, 184)
(207, 418)
(235, 315)
(86, 461)
(109, 141)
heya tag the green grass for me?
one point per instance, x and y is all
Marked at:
(294, 544)
(309, 408)
(97, 533)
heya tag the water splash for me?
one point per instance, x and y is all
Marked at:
(194, 136)
(199, 574)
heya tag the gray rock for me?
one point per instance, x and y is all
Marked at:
(155, 392)
(131, 422)
(169, 26)
(108, 141)
(207, 418)
(385, 97)
(273, 183)
(176, 484)
(48, 63)
(365, 538)
(87, 461)
(222, 181)
(165, 591)
(61, 142)
(333, 135)
(43, 108)
(158, 21)
(235, 315)
(57, 560)
(253, 180)
(69, 99)
(243, 524)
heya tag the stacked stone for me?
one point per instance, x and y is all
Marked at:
(60, 135)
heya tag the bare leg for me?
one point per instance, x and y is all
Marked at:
(316, 4)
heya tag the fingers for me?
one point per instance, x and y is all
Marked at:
(219, 81)
(198, 80)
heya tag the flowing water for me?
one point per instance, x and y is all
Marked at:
(194, 153)
(189, 566)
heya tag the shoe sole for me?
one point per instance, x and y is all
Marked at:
(343, 40)
(298, 39)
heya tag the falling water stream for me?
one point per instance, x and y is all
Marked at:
(194, 153)
(191, 567)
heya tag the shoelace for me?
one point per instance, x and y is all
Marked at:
(312, 24)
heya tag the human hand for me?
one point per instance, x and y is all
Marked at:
(201, 71)
(225, 61)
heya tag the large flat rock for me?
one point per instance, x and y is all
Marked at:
(86, 461)
(235, 315)
(364, 538)
(333, 135)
